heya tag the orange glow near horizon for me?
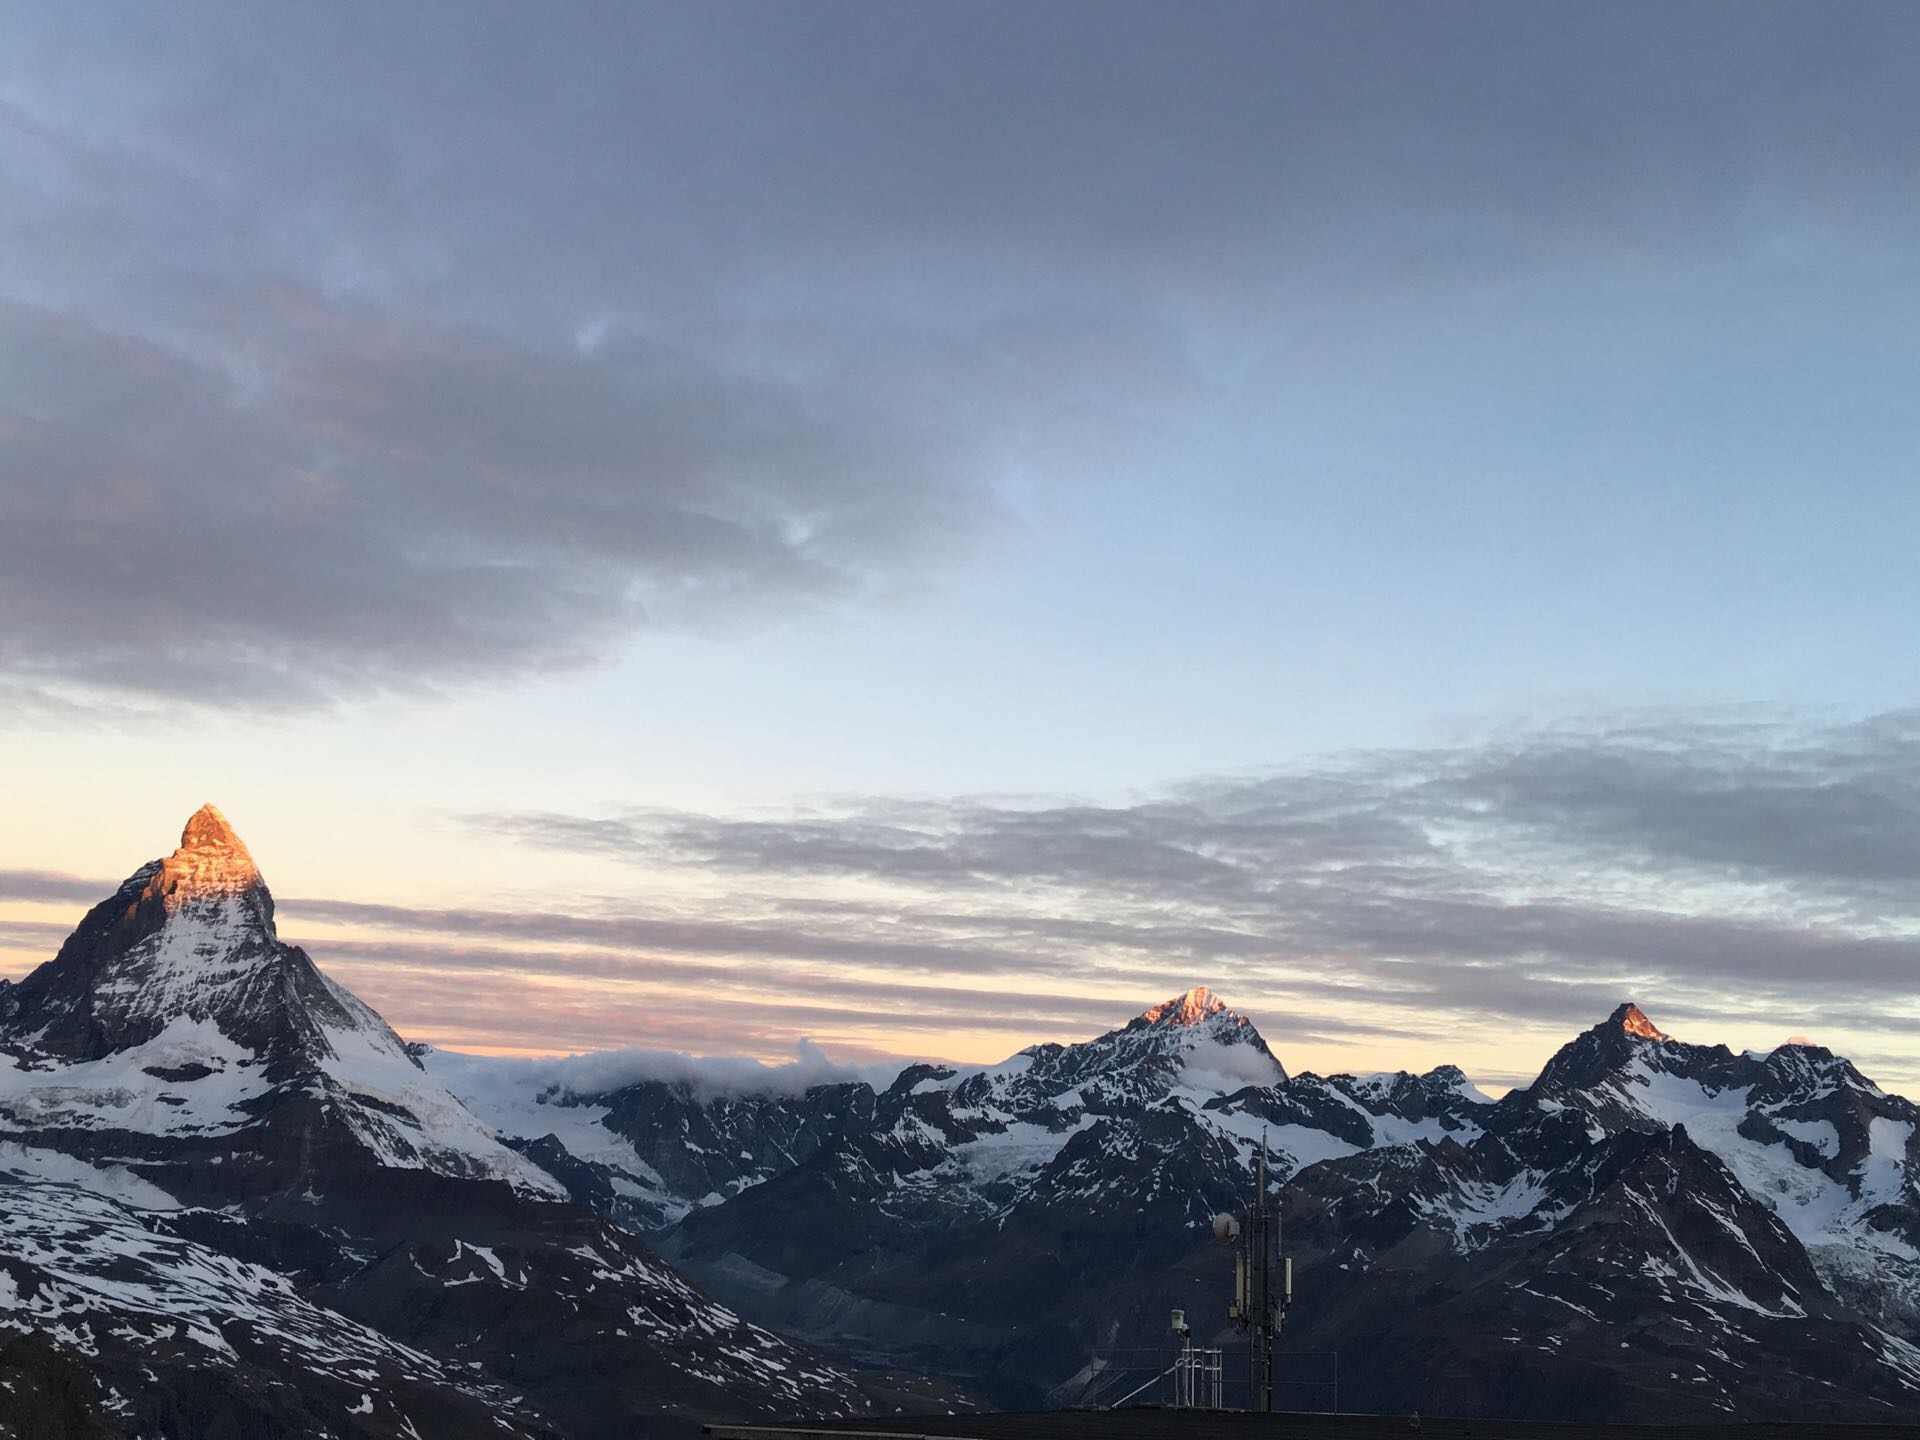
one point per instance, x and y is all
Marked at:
(490, 989)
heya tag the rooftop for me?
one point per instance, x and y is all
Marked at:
(1158, 1423)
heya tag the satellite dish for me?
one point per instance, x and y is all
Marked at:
(1226, 1229)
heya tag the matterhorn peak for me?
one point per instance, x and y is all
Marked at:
(210, 861)
(1633, 1020)
(1196, 1005)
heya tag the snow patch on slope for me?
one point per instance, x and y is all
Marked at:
(412, 1117)
(1884, 1175)
(1021, 1148)
(1477, 1209)
(116, 1092)
(497, 1092)
(114, 1182)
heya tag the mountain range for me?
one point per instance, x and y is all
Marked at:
(235, 1192)
(1653, 1229)
(240, 1200)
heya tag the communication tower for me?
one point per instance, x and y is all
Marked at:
(1259, 1307)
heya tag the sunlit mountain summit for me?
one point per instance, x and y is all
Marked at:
(216, 1156)
(218, 1159)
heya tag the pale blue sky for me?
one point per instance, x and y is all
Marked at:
(430, 432)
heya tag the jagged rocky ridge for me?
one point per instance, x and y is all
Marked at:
(1652, 1230)
(230, 1187)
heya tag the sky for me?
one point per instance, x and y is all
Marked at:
(916, 529)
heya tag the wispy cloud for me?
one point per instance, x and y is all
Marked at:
(1714, 869)
(1749, 865)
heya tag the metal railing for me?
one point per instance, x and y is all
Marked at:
(1197, 1381)
(1303, 1380)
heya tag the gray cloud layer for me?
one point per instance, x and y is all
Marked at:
(401, 504)
(349, 350)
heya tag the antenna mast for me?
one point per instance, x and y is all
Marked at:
(1255, 1308)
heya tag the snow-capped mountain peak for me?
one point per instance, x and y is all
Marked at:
(1192, 1008)
(1633, 1020)
(186, 939)
(1735, 1205)
(1193, 1032)
(206, 1144)
(1616, 1042)
(211, 860)
(180, 976)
